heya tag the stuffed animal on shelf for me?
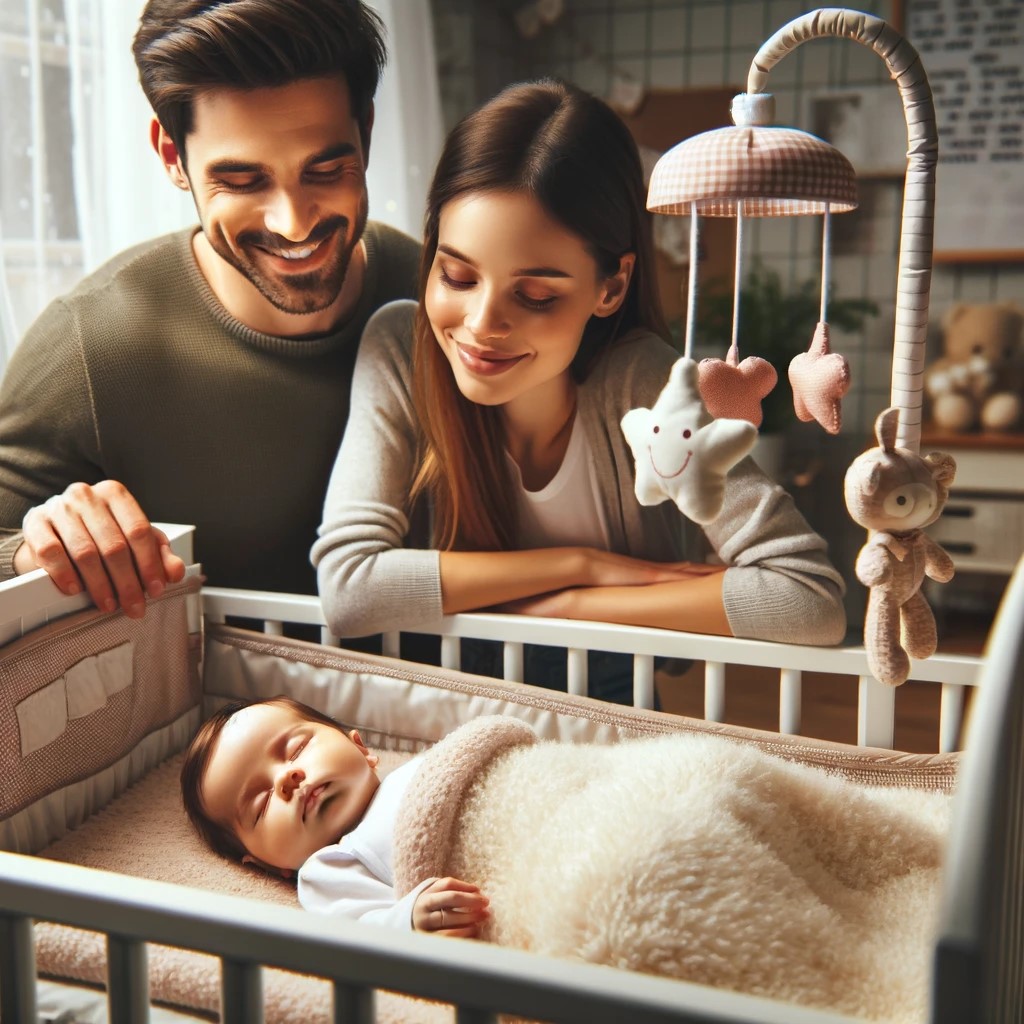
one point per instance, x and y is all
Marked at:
(979, 379)
(680, 451)
(895, 493)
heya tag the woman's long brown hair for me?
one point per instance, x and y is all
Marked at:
(573, 154)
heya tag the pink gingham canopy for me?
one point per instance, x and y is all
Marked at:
(777, 172)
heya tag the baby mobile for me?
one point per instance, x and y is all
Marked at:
(756, 169)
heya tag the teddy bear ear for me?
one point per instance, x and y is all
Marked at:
(1016, 312)
(885, 428)
(942, 467)
(953, 314)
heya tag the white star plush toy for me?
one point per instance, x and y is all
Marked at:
(680, 451)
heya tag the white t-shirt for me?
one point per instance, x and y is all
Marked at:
(567, 511)
(355, 877)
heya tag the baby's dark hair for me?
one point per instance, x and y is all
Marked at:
(219, 837)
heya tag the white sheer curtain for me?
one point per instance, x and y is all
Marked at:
(408, 129)
(78, 180)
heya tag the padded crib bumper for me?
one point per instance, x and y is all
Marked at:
(88, 704)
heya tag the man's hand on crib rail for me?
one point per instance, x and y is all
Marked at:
(450, 908)
(97, 538)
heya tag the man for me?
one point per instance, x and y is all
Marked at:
(204, 377)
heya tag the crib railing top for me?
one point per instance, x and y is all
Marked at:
(33, 599)
(277, 609)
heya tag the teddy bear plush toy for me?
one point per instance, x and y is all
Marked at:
(979, 379)
(895, 493)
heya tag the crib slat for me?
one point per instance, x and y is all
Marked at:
(512, 662)
(241, 992)
(17, 970)
(391, 644)
(643, 681)
(951, 713)
(273, 627)
(465, 1015)
(876, 710)
(354, 1004)
(576, 668)
(451, 652)
(127, 981)
(790, 693)
(714, 691)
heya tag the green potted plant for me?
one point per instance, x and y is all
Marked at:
(775, 324)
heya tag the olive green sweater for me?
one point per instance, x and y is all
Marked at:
(140, 375)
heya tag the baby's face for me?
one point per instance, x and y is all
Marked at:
(285, 786)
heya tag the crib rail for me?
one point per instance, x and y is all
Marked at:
(979, 964)
(875, 702)
(33, 599)
(357, 958)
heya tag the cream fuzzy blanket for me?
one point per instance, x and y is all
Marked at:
(687, 856)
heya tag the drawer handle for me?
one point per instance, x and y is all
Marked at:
(959, 548)
(958, 511)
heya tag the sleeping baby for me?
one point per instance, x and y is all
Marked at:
(690, 856)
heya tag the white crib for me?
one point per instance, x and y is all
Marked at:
(979, 954)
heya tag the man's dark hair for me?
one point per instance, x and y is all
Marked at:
(183, 47)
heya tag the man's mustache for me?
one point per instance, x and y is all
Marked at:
(269, 240)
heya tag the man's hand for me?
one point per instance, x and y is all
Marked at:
(95, 537)
(451, 908)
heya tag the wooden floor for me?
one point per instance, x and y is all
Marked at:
(829, 705)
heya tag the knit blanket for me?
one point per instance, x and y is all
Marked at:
(693, 857)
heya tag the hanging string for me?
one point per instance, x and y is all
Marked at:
(826, 263)
(691, 295)
(738, 274)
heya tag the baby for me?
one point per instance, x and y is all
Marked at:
(280, 785)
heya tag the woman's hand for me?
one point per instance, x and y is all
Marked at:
(607, 569)
(451, 908)
(690, 602)
(582, 602)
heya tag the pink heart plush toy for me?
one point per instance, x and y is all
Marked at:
(734, 390)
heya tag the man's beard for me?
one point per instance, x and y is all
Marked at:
(295, 293)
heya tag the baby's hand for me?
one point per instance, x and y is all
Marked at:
(451, 908)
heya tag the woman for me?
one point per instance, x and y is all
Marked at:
(497, 399)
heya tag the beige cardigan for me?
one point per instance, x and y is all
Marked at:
(375, 575)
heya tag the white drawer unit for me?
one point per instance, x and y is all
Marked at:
(981, 534)
(984, 470)
(982, 525)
